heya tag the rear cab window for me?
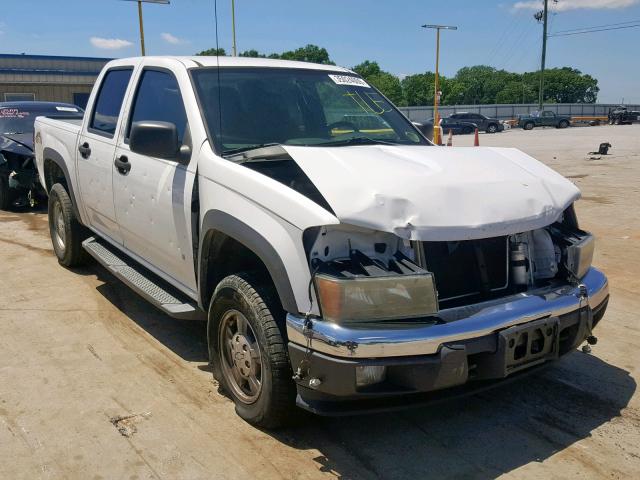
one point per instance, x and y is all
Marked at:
(108, 103)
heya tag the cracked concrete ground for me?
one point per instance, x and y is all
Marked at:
(83, 359)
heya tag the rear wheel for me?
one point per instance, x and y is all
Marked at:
(67, 234)
(616, 121)
(563, 124)
(528, 126)
(248, 351)
(467, 130)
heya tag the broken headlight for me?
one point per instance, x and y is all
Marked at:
(579, 254)
(361, 289)
(577, 248)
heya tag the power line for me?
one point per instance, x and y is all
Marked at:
(593, 31)
(596, 26)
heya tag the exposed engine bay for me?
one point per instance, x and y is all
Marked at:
(462, 272)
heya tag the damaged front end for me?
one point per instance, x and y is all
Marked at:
(405, 317)
(18, 174)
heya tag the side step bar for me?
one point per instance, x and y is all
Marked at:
(142, 281)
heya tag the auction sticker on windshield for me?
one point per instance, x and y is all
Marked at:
(349, 80)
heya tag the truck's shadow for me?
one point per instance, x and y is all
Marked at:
(481, 436)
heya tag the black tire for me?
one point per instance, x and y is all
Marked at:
(529, 126)
(256, 300)
(563, 124)
(492, 128)
(67, 234)
(611, 121)
(467, 130)
(617, 121)
(5, 192)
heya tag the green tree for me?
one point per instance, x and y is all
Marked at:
(419, 88)
(252, 53)
(386, 82)
(367, 69)
(569, 85)
(309, 53)
(517, 91)
(215, 52)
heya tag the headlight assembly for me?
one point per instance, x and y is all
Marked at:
(376, 298)
(579, 254)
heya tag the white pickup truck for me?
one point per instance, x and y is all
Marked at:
(342, 261)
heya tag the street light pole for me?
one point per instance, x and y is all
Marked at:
(141, 23)
(436, 94)
(141, 27)
(233, 27)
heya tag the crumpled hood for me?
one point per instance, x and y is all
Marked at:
(435, 193)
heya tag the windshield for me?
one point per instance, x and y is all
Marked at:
(264, 106)
(19, 120)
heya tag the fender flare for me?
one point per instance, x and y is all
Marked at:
(52, 155)
(221, 222)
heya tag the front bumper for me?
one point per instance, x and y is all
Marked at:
(461, 344)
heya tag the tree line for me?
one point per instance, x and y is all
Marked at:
(480, 84)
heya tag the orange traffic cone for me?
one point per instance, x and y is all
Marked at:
(476, 140)
(450, 139)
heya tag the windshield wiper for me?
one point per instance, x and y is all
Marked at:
(356, 141)
(235, 151)
(13, 133)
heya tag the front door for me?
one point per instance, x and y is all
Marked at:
(96, 149)
(153, 198)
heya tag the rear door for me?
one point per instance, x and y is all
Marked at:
(96, 149)
(153, 199)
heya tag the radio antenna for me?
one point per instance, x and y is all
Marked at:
(215, 12)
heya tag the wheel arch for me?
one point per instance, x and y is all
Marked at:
(232, 244)
(55, 169)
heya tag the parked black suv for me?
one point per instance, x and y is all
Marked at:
(489, 125)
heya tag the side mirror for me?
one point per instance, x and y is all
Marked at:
(155, 139)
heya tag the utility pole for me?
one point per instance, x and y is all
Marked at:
(543, 16)
(437, 93)
(233, 27)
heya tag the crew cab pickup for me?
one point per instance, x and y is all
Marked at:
(545, 118)
(342, 264)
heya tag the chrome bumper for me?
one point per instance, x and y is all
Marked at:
(393, 339)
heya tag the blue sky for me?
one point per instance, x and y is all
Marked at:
(499, 33)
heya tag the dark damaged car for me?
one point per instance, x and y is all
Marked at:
(19, 185)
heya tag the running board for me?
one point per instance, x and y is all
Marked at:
(142, 281)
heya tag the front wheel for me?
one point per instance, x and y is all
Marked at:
(528, 126)
(493, 128)
(248, 351)
(67, 234)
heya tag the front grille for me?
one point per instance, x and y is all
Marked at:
(468, 271)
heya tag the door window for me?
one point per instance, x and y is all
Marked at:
(158, 99)
(109, 101)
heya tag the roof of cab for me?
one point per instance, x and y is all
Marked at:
(207, 61)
